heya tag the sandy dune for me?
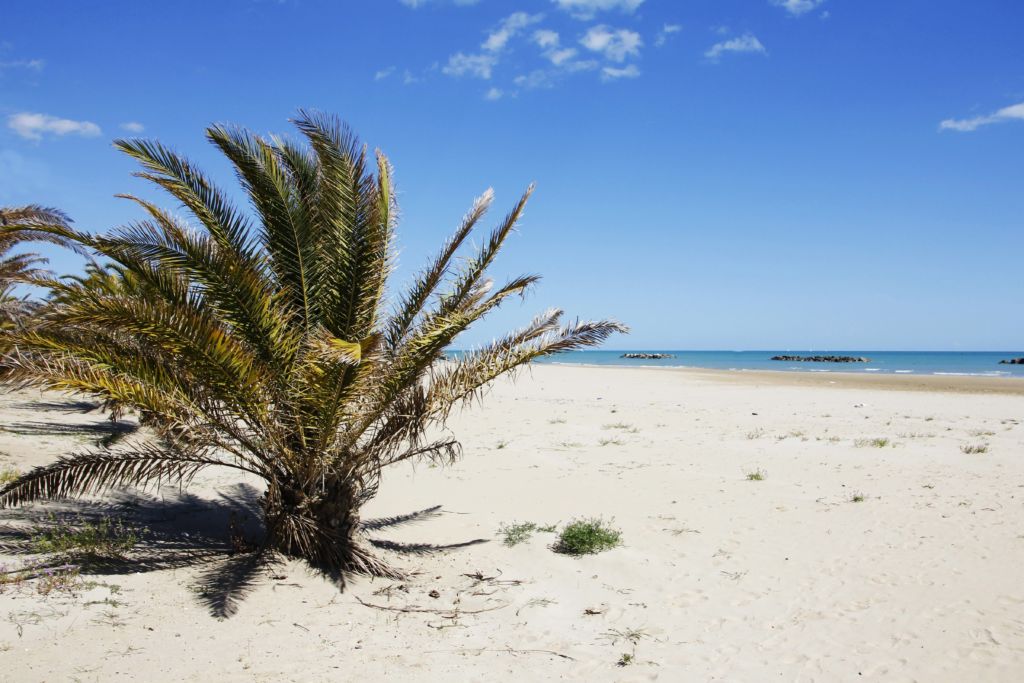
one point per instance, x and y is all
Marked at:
(719, 578)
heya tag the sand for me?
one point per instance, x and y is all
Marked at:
(718, 578)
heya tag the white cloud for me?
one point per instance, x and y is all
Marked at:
(545, 38)
(383, 73)
(797, 7)
(494, 94)
(665, 32)
(1014, 112)
(745, 43)
(133, 126)
(611, 73)
(28, 64)
(478, 66)
(538, 78)
(33, 126)
(508, 28)
(614, 44)
(560, 57)
(549, 40)
(588, 9)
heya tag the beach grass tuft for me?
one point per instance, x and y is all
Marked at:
(858, 497)
(587, 537)
(105, 538)
(878, 442)
(7, 475)
(757, 475)
(974, 448)
(517, 533)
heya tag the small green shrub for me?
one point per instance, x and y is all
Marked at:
(517, 533)
(879, 442)
(974, 448)
(858, 498)
(587, 537)
(521, 531)
(7, 475)
(105, 538)
(757, 475)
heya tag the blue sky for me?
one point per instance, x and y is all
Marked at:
(716, 173)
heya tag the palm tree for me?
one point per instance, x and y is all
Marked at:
(266, 343)
(15, 268)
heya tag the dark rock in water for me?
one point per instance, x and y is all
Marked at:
(823, 359)
(1012, 361)
(647, 356)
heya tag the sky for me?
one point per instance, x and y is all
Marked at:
(717, 174)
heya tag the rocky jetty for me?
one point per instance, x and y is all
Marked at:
(1012, 361)
(647, 356)
(823, 359)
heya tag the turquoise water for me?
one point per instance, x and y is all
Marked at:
(981, 363)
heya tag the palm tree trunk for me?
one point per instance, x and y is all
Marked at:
(322, 527)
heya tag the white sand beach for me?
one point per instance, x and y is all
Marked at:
(718, 577)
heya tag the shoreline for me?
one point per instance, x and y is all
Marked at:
(959, 384)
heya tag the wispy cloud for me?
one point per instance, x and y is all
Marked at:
(538, 78)
(508, 28)
(611, 73)
(550, 43)
(481, 65)
(666, 31)
(494, 94)
(588, 9)
(746, 43)
(615, 44)
(1015, 112)
(27, 64)
(34, 126)
(383, 73)
(797, 7)
(132, 127)
(546, 38)
(478, 66)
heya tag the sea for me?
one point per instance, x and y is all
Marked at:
(970, 363)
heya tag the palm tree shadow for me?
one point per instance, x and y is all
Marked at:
(105, 433)
(171, 531)
(412, 548)
(64, 406)
(223, 536)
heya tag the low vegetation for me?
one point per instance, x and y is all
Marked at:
(757, 475)
(517, 533)
(879, 442)
(8, 474)
(587, 537)
(106, 538)
(974, 448)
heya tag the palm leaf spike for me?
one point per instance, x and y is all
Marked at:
(262, 340)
